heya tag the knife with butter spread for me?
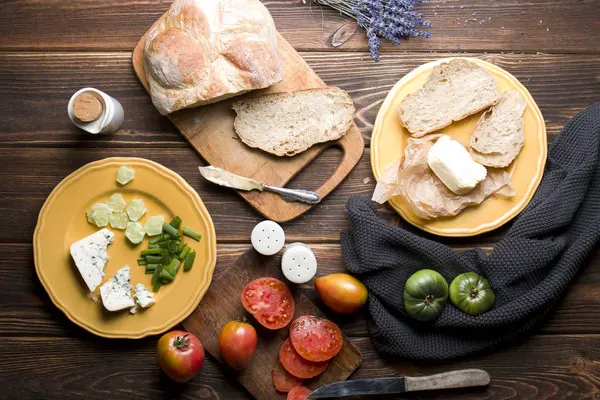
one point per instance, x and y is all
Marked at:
(227, 179)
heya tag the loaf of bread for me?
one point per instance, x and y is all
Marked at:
(498, 136)
(453, 91)
(203, 51)
(285, 124)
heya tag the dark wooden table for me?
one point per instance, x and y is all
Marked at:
(51, 48)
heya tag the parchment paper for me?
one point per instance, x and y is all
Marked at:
(411, 178)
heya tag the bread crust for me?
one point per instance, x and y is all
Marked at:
(202, 51)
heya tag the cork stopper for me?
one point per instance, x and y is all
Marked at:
(87, 108)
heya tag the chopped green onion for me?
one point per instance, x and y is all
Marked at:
(175, 222)
(156, 279)
(173, 267)
(141, 261)
(189, 232)
(151, 267)
(153, 259)
(189, 261)
(184, 252)
(166, 236)
(150, 252)
(169, 229)
(156, 239)
(154, 246)
(166, 257)
(164, 281)
(164, 274)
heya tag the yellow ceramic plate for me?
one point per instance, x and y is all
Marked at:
(62, 221)
(389, 139)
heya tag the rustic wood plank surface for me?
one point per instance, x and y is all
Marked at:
(509, 25)
(51, 48)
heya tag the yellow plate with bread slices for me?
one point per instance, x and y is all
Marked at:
(62, 221)
(389, 139)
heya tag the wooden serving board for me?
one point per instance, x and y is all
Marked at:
(210, 131)
(222, 304)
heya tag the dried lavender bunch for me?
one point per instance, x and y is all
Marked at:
(393, 20)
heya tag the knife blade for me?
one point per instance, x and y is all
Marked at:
(227, 179)
(396, 385)
(233, 181)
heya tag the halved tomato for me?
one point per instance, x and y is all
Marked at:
(298, 366)
(299, 393)
(269, 300)
(316, 339)
(283, 380)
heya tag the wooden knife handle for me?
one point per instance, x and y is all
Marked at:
(448, 380)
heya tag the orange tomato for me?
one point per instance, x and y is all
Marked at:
(342, 293)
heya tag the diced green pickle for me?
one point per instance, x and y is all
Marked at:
(101, 215)
(119, 220)
(136, 210)
(154, 225)
(116, 203)
(90, 212)
(125, 175)
(135, 232)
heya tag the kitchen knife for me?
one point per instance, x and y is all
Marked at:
(227, 179)
(396, 385)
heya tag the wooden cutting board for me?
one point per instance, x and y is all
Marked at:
(222, 304)
(209, 129)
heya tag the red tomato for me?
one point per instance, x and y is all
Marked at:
(269, 300)
(316, 339)
(299, 393)
(237, 344)
(180, 354)
(342, 293)
(298, 366)
(283, 380)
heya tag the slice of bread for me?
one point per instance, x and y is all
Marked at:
(453, 91)
(498, 136)
(285, 124)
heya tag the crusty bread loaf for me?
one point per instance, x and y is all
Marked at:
(285, 124)
(498, 136)
(202, 51)
(453, 91)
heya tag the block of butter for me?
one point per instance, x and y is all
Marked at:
(452, 163)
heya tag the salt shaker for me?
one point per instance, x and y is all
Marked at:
(299, 264)
(95, 111)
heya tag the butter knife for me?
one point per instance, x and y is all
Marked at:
(227, 179)
(396, 385)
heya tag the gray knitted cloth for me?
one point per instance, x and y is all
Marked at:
(529, 270)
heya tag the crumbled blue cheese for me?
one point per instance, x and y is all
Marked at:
(90, 256)
(116, 292)
(143, 298)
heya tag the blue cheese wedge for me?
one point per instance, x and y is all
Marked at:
(116, 292)
(143, 298)
(90, 256)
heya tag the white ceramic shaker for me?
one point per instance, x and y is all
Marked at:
(95, 111)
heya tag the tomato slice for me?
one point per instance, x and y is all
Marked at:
(283, 380)
(298, 366)
(269, 300)
(316, 339)
(299, 393)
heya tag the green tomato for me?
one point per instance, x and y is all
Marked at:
(472, 293)
(425, 295)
